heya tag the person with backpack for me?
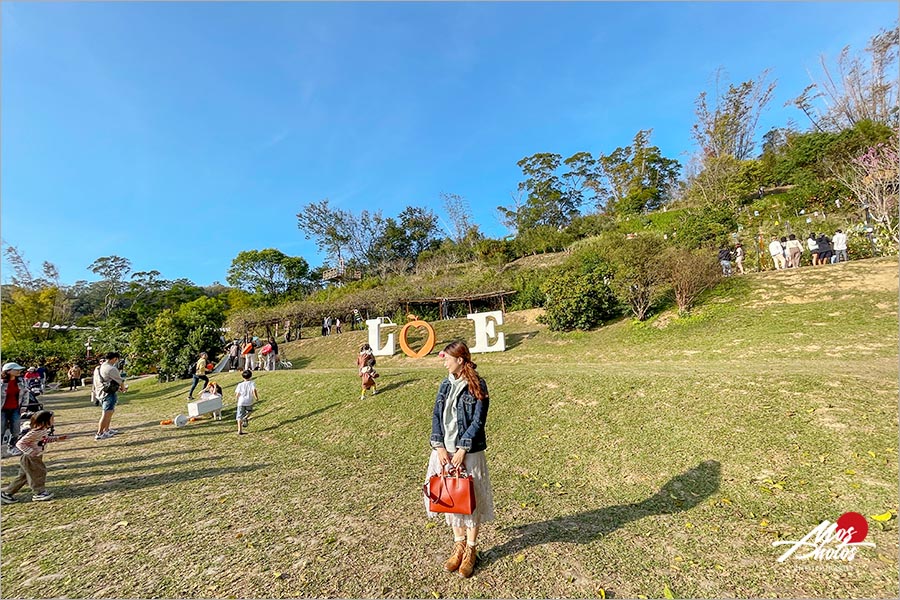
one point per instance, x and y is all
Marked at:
(107, 385)
(13, 392)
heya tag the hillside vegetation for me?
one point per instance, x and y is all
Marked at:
(631, 460)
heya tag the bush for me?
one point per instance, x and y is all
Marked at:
(689, 272)
(638, 280)
(578, 299)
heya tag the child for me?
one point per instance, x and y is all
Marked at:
(213, 390)
(245, 392)
(366, 363)
(31, 466)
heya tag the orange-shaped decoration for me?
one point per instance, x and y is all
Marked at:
(426, 348)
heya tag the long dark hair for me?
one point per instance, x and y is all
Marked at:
(460, 350)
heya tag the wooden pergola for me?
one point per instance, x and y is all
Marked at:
(444, 301)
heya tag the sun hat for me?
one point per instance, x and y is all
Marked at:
(11, 366)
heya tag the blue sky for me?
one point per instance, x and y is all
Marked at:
(179, 134)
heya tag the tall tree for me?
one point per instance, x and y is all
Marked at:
(548, 200)
(112, 271)
(727, 122)
(635, 178)
(858, 88)
(340, 233)
(269, 273)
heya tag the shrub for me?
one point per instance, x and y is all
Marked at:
(528, 287)
(689, 272)
(638, 280)
(578, 299)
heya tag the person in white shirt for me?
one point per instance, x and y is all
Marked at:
(245, 392)
(777, 253)
(839, 243)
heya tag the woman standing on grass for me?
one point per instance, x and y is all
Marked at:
(458, 439)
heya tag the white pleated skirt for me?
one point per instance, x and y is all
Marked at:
(476, 465)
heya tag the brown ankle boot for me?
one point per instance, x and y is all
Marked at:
(467, 566)
(459, 549)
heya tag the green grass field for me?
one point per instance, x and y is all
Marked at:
(634, 460)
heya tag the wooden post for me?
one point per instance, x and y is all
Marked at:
(502, 305)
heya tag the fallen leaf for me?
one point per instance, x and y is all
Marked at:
(887, 516)
(121, 524)
(870, 453)
(519, 558)
(667, 593)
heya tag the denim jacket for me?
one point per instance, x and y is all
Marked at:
(471, 415)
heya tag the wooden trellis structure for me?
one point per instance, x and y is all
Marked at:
(444, 301)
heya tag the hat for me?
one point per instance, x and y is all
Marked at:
(11, 366)
(31, 369)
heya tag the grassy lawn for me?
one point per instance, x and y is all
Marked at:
(627, 461)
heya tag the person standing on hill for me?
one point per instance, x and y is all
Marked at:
(813, 247)
(825, 251)
(458, 441)
(794, 251)
(739, 257)
(725, 260)
(777, 253)
(840, 247)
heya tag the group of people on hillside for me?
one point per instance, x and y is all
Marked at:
(787, 252)
(254, 354)
(331, 326)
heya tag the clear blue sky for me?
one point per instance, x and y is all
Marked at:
(179, 134)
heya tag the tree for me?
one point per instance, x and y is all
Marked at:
(634, 179)
(638, 279)
(728, 126)
(872, 178)
(547, 200)
(689, 272)
(340, 233)
(857, 89)
(464, 231)
(111, 269)
(269, 273)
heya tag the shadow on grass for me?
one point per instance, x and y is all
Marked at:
(514, 339)
(79, 462)
(138, 482)
(394, 385)
(71, 472)
(682, 492)
(299, 417)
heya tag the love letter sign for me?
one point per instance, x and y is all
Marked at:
(485, 331)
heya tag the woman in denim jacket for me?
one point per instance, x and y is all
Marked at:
(457, 439)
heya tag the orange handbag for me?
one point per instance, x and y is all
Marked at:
(453, 492)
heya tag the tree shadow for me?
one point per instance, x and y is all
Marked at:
(143, 481)
(682, 492)
(298, 417)
(514, 339)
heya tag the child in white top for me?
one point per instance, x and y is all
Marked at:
(245, 392)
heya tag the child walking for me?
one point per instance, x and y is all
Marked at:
(245, 392)
(32, 470)
(366, 363)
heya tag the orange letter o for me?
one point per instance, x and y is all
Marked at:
(426, 348)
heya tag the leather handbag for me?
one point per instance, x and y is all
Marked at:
(453, 491)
